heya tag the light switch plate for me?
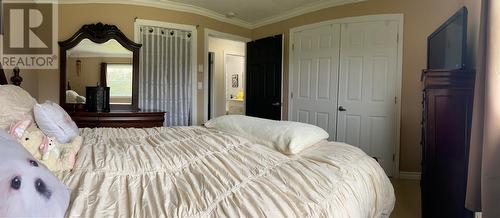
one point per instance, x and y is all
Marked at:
(200, 85)
(200, 68)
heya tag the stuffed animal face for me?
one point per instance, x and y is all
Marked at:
(48, 146)
(30, 137)
(27, 188)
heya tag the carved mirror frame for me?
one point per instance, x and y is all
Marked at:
(99, 33)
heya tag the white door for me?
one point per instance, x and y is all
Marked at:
(314, 78)
(367, 90)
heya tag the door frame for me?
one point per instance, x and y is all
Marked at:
(221, 35)
(399, 71)
(194, 55)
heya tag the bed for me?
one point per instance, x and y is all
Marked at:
(199, 172)
(202, 172)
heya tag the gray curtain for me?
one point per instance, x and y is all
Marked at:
(165, 73)
(483, 185)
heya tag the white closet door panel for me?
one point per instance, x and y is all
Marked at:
(368, 59)
(314, 77)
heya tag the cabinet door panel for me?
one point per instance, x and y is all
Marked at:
(446, 152)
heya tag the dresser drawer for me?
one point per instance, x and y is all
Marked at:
(118, 119)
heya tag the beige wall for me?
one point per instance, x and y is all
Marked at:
(220, 47)
(422, 17)
(30, 81)
(73, 16)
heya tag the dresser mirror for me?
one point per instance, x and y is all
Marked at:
(99, 55)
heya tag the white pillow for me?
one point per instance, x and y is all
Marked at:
(15, 105)
(71, 96)
(54, 121)
(285, 136)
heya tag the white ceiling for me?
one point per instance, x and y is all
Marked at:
(255, 11)
(248, 13)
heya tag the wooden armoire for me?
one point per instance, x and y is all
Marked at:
(448, 98)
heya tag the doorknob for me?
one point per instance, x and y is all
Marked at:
(341, 108)
(276, 104)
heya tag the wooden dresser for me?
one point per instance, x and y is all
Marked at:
(448, 99)
(123, 119)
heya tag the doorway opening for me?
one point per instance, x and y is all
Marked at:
(226, 77)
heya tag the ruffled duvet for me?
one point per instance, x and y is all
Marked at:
(197, 172)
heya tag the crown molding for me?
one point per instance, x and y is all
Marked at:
(176, 6)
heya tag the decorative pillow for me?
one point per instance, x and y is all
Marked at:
(80, 99)
(15, 105)
(55, 122)
(73, 97)
(285, 136)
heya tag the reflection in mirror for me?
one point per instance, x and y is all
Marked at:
(107, 64)
(119, 79)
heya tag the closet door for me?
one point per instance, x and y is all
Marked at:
(367, 88)
(314, 77)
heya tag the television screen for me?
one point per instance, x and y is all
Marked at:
(447, 45)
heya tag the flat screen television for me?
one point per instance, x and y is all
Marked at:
(448, 44)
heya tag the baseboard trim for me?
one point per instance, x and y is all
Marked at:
(410, 175)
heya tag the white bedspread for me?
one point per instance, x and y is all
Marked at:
(197, 172)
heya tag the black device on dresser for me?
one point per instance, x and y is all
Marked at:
(446, 121)
(97, 99)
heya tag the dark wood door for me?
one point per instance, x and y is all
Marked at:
(211, 57)
(264, 68)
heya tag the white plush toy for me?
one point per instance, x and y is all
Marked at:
(56, 156)
(49, 147)
(27, 188)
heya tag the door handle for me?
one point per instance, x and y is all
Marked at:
(341, 108)
(276, 104)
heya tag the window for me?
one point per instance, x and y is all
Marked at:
(119, 79)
